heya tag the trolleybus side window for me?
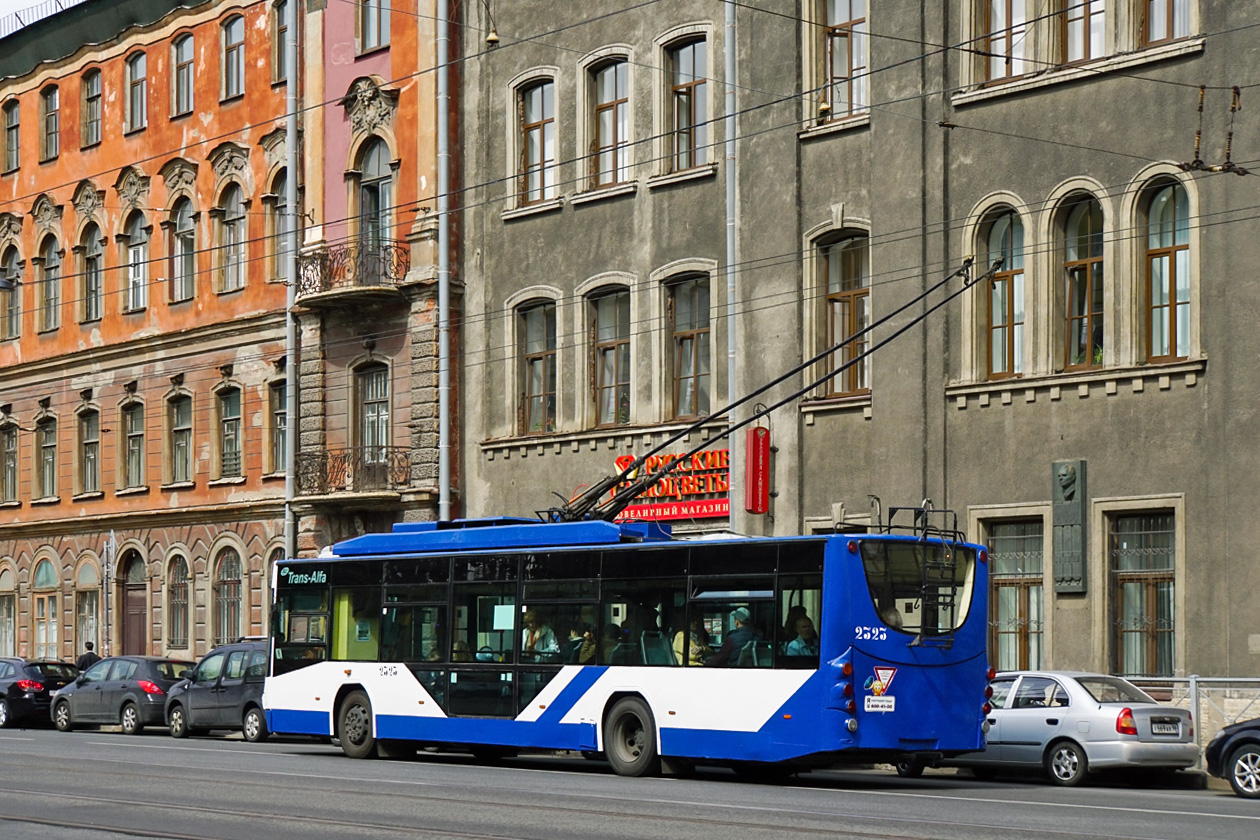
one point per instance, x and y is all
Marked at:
(800, 621)
(738, 615)
(637, 617)
(356, 623)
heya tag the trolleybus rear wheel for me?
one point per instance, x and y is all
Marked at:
(630, 738)
(354, 726)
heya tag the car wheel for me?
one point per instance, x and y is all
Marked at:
(1244, 771)
(254, 726)
(354, 726)
(1066, 764)
(61, 717)
(630, 739)
(910, 768)
(131, 724)
(177, 721)
(4, 714)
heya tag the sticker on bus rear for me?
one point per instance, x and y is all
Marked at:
(885, 703)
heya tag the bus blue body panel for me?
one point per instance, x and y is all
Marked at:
(416, 538)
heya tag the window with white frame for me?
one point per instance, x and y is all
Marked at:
(89, 452)
(280, 34)
(1004, 239)
(277, 393)
(233, 39)
(50, 122)
(46, 453)
(46, 585)
(8, 613)
(137, 93)
(376, 201)
(230, 433)
(50, 286)
(372, 392)
(537, 108)
(12, 135)
(278, 223)
(11, 295)
(136, 255)
(611, 146)
(182, 78)
(183, 245)
(180, 449)
(87, 606)
(93, 292)
(9, 465)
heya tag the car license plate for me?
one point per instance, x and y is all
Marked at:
(1164, 729)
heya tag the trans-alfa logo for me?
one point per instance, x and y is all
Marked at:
(316, 576)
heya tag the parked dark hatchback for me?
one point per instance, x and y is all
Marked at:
(125, 690)
(26, 688)
(1234, 754)
(224, 691)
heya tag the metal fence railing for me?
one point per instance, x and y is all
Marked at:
(14, 21)
(1215, 702)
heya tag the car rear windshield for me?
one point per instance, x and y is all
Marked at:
(1114, 690)
(54, 669)
(172, 670)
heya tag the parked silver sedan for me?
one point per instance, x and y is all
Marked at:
(1071, 724)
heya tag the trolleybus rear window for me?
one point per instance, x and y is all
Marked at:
(919, 588)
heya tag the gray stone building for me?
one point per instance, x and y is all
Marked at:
(1087, 411)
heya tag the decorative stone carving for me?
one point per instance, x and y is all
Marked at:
(228, 160)
(1069, 526)
(46, 214)
(88, 199)
(274, 148)
(369, 105)
(132, 187)
(179, 175)
(10, 226)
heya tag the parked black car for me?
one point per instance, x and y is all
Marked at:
(1234, 754)
(26, 688)
(125, 690)
(224, 691)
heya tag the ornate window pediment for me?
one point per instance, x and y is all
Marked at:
(88, 199)
(370, 105)
(132, 186)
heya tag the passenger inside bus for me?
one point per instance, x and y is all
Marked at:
(538, 642)
(697, 644)
(736, 639)
(806, 641)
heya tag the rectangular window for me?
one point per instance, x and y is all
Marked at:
(612, 125)
(12, 136)
(1016, 554)
(230, 433)
(90, 452)
(11, 296)
(9, 482)
(1167, 20)
(137, 93)
(688, 106)
(373, 24)
(1084, 28)
(92, 108)
(848, 314)
(279, 70)
(182, 93)
(1006, 39)
(538, 332)
(50, 294)
(137, 284)
(1142, 553)
(538, 142)
(133, 457)
(50, 105)
(374, 414)
(845, 76)
(234, 57)
(689, 326)
(181, 440)
(612, 359)
(46, 436)
(279, 424)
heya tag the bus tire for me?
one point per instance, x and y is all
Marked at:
(354, 726)
(630, 738)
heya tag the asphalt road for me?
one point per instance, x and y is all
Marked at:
(95, 785)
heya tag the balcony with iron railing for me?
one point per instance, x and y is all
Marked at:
(353, 470)
(352, 272)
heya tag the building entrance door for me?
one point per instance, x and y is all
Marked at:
(134, 605)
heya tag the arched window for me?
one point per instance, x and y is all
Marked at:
(537, 109)
(688, 104)
(50, 114)
(538, 366)
(12, 135)
(376, 200)
(87, 603)
(89, 451)
(234, 57)
(177, 604)
(93, 292)
(229, 432)
(612, 357)
(232, 239)
(1083, 274)
(182, 78)
(278, 224)
(91, 116)
(50, 286)
(10, 295)
(136, 258)
(183, 252)
(8, 614)
(611, 160)
(1168, 274)
(133, 445)
(227, 597)
(1004, 238)
(372, 396)
(690, 337)
(846, 273)
(46, 611)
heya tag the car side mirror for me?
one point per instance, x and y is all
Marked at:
(188, 674)
(82, 680)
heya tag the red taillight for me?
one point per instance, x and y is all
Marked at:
(1124, 722)
(988, 692)
(150, 688)
(848, 689)
(30, 685)
(986, 708)
(851, 707)
(852, 546)
(992, 672)
(984, 556)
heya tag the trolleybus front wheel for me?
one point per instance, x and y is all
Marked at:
(630, 739)
(354, 726)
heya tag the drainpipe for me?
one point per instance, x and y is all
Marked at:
(444, 261)
(290, 276)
